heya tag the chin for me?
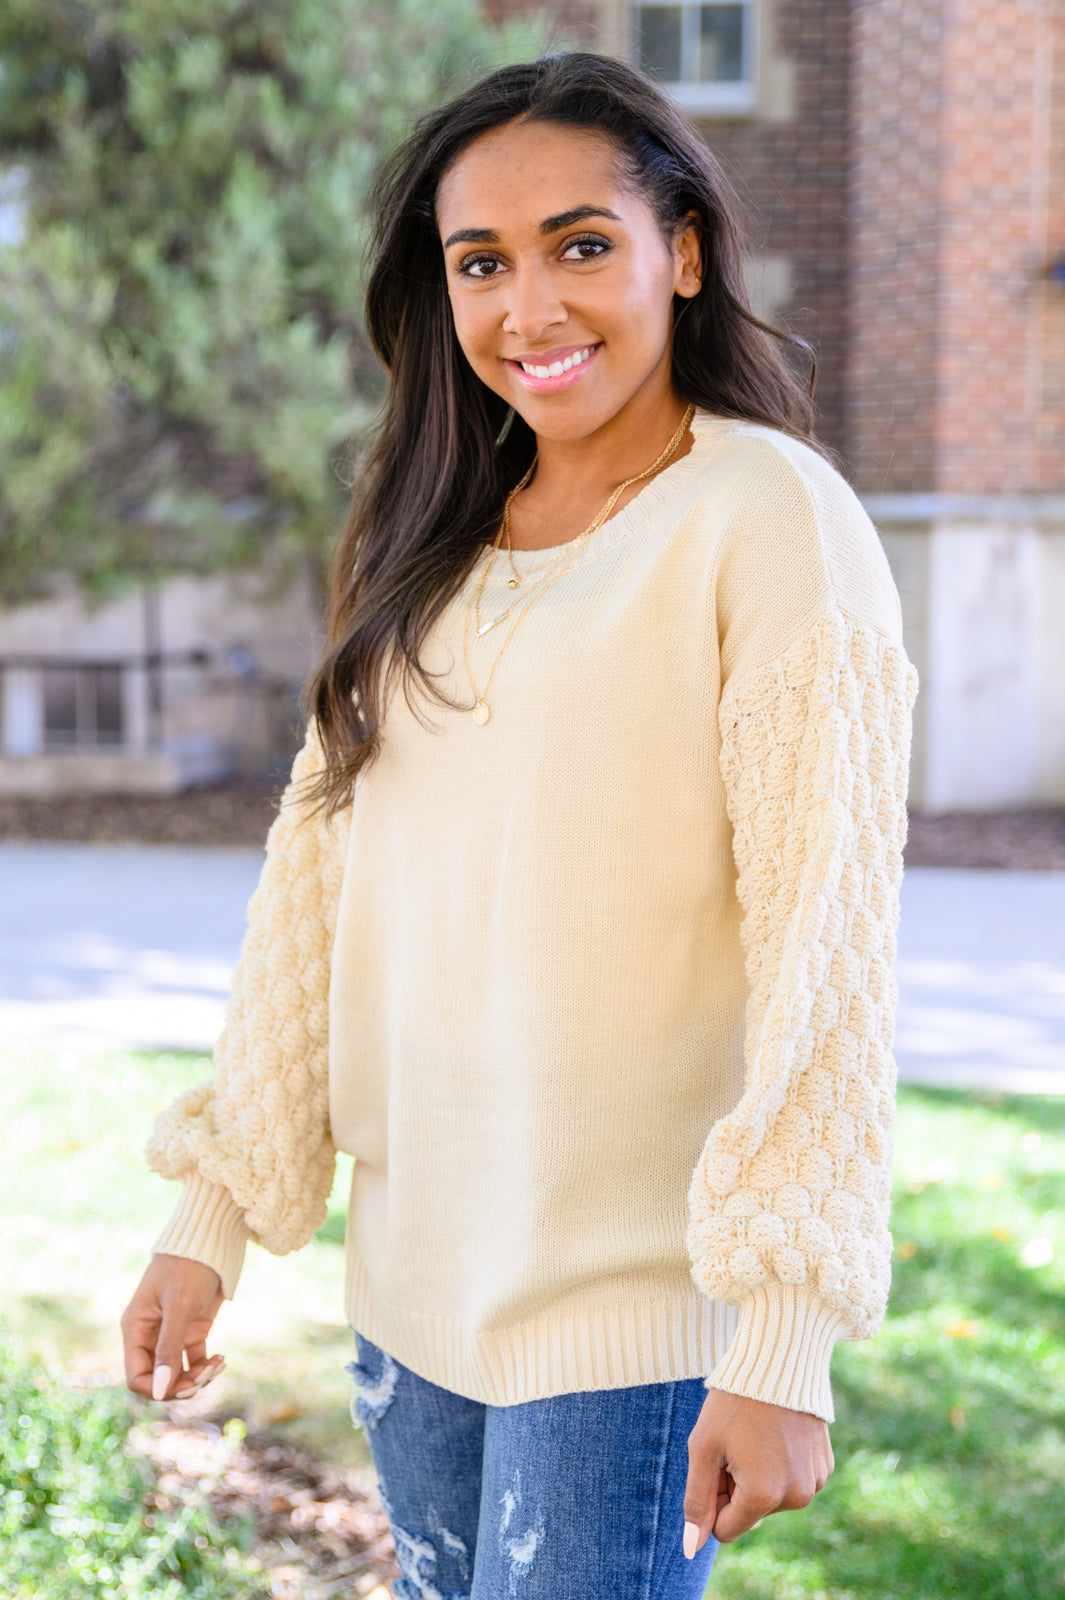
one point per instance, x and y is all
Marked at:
(566, 421)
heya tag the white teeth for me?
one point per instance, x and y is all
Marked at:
(557, 368)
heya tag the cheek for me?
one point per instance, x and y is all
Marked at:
(475, 332)
(651, 291)
(639, 303)
(469, 326)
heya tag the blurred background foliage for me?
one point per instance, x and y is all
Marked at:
(73, 1518)
(183, 367)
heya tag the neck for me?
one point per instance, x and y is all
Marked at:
(539, 522)
(630, 440)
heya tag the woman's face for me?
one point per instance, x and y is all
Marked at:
(561, 281)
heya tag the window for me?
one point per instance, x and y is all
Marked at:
(705, 54)
(82, 706)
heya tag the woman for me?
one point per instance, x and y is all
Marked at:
(577, 924)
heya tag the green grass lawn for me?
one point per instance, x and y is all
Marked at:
(950, 1432)
(79, 1211)
(950, 1438)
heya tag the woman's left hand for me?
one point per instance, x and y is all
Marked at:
(746, 1459)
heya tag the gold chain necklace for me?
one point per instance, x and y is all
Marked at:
(552, 570)
(518, 577)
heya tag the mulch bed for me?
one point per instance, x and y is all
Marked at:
(1021, 840)
(240, 814)
(319, 1530)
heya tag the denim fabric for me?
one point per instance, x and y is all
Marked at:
(577, 1497)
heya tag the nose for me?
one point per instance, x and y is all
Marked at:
(533, 306)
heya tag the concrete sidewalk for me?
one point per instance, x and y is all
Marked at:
(129, 947)
(981, 972)
(119, 946)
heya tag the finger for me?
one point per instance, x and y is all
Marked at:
(726, 1489)
(192, 1383)
(189, 1383)
(195, 1351)
(138, 1347)
(169, 1366)
(706, 1491)
(798, 1495)
(745, 1508)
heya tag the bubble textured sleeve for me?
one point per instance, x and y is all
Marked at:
(253, 1146)
(789, 1201)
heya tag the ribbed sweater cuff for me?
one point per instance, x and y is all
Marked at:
(207, 1226)
(782, 1350)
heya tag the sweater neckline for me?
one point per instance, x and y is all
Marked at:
(707, 428)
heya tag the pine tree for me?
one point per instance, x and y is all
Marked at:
(182, 362)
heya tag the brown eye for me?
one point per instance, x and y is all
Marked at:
(480, 267)
(587, 248)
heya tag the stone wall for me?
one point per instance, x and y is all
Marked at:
(209, 672)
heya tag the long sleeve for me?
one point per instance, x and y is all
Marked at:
(789, 1201)
(253, 1146)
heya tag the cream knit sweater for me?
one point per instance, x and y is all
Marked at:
(599, 995)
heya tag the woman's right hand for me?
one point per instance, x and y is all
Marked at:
(165, 1328)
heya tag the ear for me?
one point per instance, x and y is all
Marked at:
(687, 257)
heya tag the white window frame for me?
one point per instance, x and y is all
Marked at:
(707, 99)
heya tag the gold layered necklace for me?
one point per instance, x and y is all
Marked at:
(547, 574)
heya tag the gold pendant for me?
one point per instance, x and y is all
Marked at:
(486, 627)
(480, 713)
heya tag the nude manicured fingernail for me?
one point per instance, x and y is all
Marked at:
(691, 1538)
(202, 1379)
(160, 1383)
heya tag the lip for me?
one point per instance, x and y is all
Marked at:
(544, 358)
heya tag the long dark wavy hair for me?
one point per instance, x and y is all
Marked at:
(430, 489)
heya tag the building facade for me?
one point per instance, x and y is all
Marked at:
(903, 166)
(187, 683)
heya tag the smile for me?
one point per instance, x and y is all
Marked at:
(565, 368)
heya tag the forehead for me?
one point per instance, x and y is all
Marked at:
(527, 171)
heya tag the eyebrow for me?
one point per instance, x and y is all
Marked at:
(565, 219)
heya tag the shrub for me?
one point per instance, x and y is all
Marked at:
(74, 1524)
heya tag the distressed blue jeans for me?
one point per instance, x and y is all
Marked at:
(577, 1497)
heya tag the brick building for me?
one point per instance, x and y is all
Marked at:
(904, 164)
